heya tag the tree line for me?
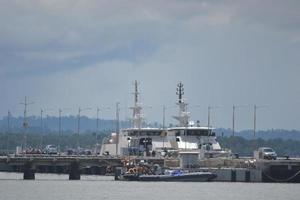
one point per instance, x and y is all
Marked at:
(245, 147)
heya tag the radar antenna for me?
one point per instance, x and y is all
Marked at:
(183, 116)
(137, 108)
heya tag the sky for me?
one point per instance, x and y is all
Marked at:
(79, 53)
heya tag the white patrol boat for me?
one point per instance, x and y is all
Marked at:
(172, 141)
(191, 137)
(136, 140)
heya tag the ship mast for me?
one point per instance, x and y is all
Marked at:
(137, 116)
(183, 116)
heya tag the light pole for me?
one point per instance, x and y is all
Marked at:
(234, 107)
(254, 118)
(25, 123)
(8, 131)
(98, 120)
(60, 110)
(164, 115)
(43, 125)
(59, 129)
(42, 130)
(117, 126)
(209, 116)
(78, 124)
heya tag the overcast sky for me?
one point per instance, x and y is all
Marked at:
(71, 53)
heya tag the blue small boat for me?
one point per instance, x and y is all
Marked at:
(170, 176)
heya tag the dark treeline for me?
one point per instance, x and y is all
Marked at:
(9, 141)
(245, 147)
(264, 134)
(50, 124)
(69, 124)
(240, 145)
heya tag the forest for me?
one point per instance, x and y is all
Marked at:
(87, 140)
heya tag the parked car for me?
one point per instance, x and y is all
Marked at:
(50, 149)
(266, 153)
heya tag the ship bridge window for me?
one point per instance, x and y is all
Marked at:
(145, 141)
(144, 133)
(197, 133)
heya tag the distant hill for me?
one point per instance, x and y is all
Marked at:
(265, 134)
(69, 125)
(51, 124)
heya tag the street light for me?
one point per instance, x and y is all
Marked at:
(209, 114)
(164, 114)
(8, 131)
(98, 125)
(98, 121)
(117, 126)
(25, 123)
(60, 110)
(254, 117)
(78, 124)
(234, 107)
(43, 111)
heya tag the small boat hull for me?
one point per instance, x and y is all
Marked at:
(185, 177)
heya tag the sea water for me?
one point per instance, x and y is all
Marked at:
(58, 187)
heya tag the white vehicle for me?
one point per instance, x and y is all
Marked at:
(266, 153)
(50, 149)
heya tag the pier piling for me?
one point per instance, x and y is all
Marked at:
(74, 173)
(29, 171)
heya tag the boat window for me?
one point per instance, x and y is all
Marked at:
(145, 141)
(144, 133)
(197, 132)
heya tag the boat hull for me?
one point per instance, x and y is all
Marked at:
(188, 177)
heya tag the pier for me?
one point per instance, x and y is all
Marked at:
(72, 165)
(227, 169)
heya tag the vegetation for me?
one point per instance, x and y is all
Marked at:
(86, 140)
(240, 145)
(245, 147)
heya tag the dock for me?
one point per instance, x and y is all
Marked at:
(227, 169)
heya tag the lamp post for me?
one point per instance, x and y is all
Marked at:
(78, 124)
(209, 116)
(117, 126)
(98, 121)
(8, 131)
(59, 130)
(25, 123)
(254, 118)
(43, 111)
(60, 110)
(164, 114)
(234, 107)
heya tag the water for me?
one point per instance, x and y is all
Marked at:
(58, 187)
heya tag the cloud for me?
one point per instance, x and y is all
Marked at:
(63, 32)
(80, 52)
